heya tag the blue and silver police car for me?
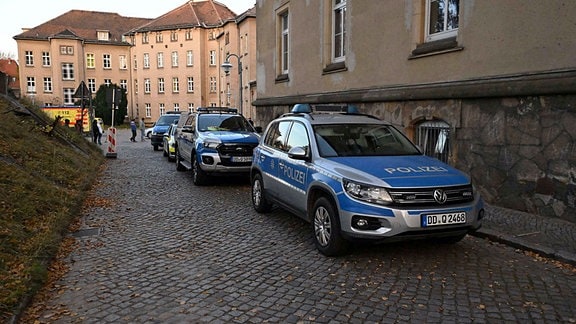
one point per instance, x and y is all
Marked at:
(356, 177)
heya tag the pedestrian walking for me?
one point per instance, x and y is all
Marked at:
(142, 129)
(133, 128)
(96, 132)
(100, 132)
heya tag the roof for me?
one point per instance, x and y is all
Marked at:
(195, 13)
(80, 24)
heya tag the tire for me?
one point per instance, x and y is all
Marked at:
(199, 177)
(259, 201)
(164, 151)
(179, 166)
(326, 227)
(155, 147)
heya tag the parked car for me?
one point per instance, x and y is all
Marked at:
(169, 143)
(215, 141)
(161, 126)
(148, 131)
(355, 177)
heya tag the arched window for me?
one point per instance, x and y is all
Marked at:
(433, 136)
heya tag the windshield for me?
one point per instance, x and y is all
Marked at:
(209, 122)
(362, 140)
(167, 120)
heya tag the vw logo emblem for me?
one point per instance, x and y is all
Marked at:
(440, 196)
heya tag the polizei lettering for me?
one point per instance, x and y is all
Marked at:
(294, 174)
(416, 169)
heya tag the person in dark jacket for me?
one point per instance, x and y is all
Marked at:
(133, 128)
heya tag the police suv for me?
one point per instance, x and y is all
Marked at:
(355, 177)
(214, 141)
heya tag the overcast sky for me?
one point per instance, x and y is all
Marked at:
(18, 14)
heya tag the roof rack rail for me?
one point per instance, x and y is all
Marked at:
(307, 109)
(217, 110)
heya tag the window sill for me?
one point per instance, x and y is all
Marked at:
(282, 78)
(436, 47)
(335, 67)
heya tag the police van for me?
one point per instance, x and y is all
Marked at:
(355, 177)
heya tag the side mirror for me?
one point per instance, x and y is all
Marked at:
(298, 153)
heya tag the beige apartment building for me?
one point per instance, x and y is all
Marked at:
(169, 63)
(488, 86)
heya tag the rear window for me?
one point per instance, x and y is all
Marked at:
(167, 120)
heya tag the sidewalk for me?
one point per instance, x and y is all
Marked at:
(553, 238)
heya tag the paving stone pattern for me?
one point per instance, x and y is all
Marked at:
(166, 251)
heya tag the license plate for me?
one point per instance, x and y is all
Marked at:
(241, 159)
(443, 219)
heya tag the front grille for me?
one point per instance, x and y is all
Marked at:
(236, 149)
(227, 151)
(425, 196)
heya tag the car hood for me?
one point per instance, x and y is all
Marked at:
(235, 137)
(397, 171)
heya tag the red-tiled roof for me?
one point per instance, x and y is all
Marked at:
(84, 25)
(207, 13)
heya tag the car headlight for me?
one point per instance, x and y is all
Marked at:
(211, 143)
(367, 193)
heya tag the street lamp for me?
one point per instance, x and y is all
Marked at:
(227, 66)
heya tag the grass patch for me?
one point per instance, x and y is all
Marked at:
(45, 172)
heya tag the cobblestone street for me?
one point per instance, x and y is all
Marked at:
(166, 251)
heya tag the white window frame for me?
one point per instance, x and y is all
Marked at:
(30, 85)
(162, 109)
(284, 41)
(90, 61)
(106, 61)
(190, 84)
(161, 85)
(48, 85)
(67, 71)
(160, 59)
(46, 60)
(175, 59)
(146, 61)
(148, 109)
(175, 85)
(147, 85)
(338, 13)
(212, 58)
(445, 33)
(68, 94)
(123, 62)
(189, 58)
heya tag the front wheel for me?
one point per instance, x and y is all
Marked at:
(199, 177)
(326, 226)
(179, 165)
(259, 201)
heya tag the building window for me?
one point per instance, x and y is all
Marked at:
(103, 35)
(159, 37)
(47, 84)
(338, 30)
(190, 83)
(190, 107)
(46, 61)
(161, 85)
(136, 86)
(31, 85)
(160, 59)
(106, 61)
(69, 96)
(175, 85)
(174, 36)
(108, 82)
(176, 107)
(174, 59)
(90, 61)
(145, 38)
(146, 63)
(123, 84)
(92, 85)
(29, 57)
(213, 84)
(66, 50)
(148, 109)
(227, 38)
(162, 109)
(284, 43)
(67, 71)
(147, 85)
(212, 58)
(434, 138)
(189, 58)
(441, 19)
(188, 34)
(123, 62)
(135, 62)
